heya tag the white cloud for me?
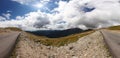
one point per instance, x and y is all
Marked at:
(24, 1)
(2, 18)
(7, 15)
(8, 11)
(30, 21)
(34, 3)
(38, 5)
(106, 13)
(75, 13)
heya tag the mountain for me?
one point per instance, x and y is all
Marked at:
(57, 33)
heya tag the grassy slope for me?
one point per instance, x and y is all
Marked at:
(114, 28)
(57, 41)
(13, 29)
(9, 29)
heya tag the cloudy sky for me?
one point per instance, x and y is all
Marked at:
(59, 14)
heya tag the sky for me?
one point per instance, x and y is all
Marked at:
(59, 14)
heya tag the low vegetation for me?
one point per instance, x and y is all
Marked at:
(13, 29)
(57, 41)
(2, 30)
(114, 28)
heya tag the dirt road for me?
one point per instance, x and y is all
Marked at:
(112, 39)
(7, 42)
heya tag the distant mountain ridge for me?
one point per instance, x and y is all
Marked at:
(57, 33)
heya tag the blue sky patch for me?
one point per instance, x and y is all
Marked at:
(18, 9)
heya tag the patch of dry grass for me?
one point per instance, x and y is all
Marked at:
(2, 30)
(57, 41)
(114, 28)
(13, 29)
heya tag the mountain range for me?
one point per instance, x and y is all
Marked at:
(57, 33)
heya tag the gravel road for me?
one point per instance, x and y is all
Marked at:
(112, 39)
(7, 42)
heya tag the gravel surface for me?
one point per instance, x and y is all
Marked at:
(90, 46)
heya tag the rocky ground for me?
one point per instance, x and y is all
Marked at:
(90, 46)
